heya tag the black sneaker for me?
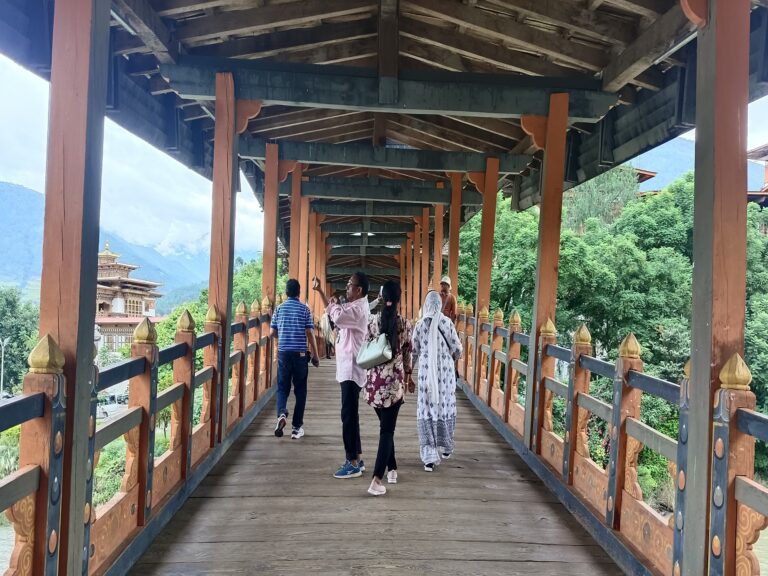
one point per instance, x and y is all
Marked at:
(280, 425)
(429, 467)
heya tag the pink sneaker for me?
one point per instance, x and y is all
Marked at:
(392, 476)
(376, 490)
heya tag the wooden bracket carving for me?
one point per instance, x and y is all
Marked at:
(478, 179)
(697, 11)
(631, 483)
(536, 128)
(285, 167)
(749, 525)
(246, 110)
(22, 516)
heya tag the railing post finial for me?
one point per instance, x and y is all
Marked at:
(46, 357)
(735, 374)
(185, 323)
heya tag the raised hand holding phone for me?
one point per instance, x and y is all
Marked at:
(315, 283)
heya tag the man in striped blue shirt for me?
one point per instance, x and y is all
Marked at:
(292, 327)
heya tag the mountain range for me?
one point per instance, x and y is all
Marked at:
(21, 221)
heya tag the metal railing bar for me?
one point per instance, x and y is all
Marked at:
(18, 485)
(597, 407)
(556, 387)
(114, 427)
(653, 439)
(170, 395)
(521, 338)
(237, 327)
(521, 367)
(120, 373)
(752, 494)
(596, 366)
(203, 375)
(235, 356)
(558, 352)
(500, 356)
(752, 423)
(656, 386)
(205, 340)
(252, 347)
(19, 409)
(172, 353)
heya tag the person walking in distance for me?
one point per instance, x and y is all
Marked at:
(351, 320)
(385, 383)
(293, 327)
(448, 299)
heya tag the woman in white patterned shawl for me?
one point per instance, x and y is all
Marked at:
(437, 346)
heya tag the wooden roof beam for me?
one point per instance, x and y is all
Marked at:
(178, 7)
(463, 44)
(320, 125)
(470, 134)
(368, 156)
(444, 93)
(342, 52)
(388, 51)
(510, 31)
(430, 136)
(358, 250)
(370, 209)
(285, 41)
(142, 18)
(295, 118)
(492, 125)
(264, 18)
(670, 32)
(344, 271)
(575, 17)
(373, 227)
(392, 191)
(649, 9)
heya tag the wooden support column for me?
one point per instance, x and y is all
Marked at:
(226, 174)
(295, 248)
(303, 232)
(271, 185)
(70, 240)
(719, 242)
(487, 183)
(424, 253)
(409, 276)
(401, 260)
(312, 257)
(182, 410)
(417, 298)
(437, 270)
(453, 234)
(549, 134)
(320, 264)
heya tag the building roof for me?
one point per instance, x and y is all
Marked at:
(760, 153)
(123, 320)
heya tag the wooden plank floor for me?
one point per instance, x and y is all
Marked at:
(271, 506)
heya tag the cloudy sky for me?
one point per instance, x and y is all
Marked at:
(141, 186)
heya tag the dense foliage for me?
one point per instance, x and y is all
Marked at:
(628, 269)
(18, 324)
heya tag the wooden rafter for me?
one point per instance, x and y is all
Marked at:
(338, 53)
(492, 125)
(264, 18)
(294, 118)
(672, 29)
(178, 7)
(273, 44)
(141, 17)
(331, 127)
(510, 31)
(575, 17)
(650, 9)
(487, 140)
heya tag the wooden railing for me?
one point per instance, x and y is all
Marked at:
(152, 488)
(609, 500)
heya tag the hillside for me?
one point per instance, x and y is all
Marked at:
(21, 220)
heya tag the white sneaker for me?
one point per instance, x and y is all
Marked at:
(392, 476)
(296, 434)
(376, 490)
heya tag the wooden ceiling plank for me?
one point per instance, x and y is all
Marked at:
(670, 30)
(488, 140)
(295, 118)
(264, 18)
(167, 8)
(575, 17)
(650, 9)
(340, 52)
(388, 50)
(511, 31)
(149, 27)
(284, 41)
(492, 125)
(425, 137)
(323, 127)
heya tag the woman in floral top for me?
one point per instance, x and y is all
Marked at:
(386, 383)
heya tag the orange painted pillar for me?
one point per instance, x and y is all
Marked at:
(271, 183)
(303, 232)
(424, 252)
(401, 261)
(453, 234)
(409, 276)
(312, 257)
(320, 265)
(70, 244)
(417, 268)
(437, 271)
(719, 251)
(489, 185)
(545, 293)
(226, 174)
(295, 248)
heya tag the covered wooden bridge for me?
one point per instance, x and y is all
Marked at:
(370, 131)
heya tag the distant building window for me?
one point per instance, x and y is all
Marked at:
(134, 307)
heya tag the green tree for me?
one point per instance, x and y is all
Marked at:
(18, 324)
(602, 197)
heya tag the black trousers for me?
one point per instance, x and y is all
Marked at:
(385, 457)
(350, 419)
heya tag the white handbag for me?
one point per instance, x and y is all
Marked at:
(374, 352)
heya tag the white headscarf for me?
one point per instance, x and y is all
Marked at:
(433, 308)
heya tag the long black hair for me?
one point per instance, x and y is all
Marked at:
(390, 294)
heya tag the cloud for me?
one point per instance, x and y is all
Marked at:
(147, 197)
